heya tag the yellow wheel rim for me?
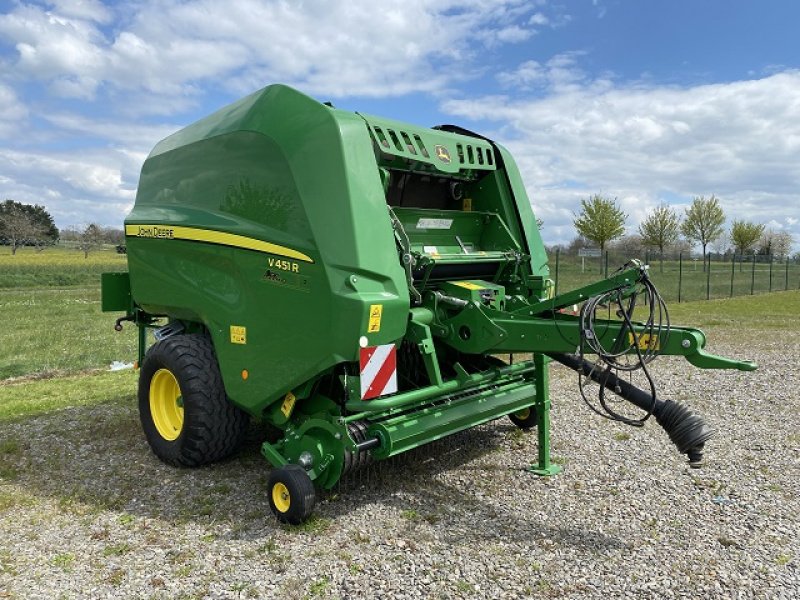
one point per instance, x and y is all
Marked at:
(280, 497)
(523, 414)
(166, 404)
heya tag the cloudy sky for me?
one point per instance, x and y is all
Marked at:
(647, 102)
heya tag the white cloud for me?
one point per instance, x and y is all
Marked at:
(737, 140)
(339, 48)
(559, 74)
(92, 175)
(528, 74)
(95, 186)
(12, 111)
(53, 47)
(82, 9)
(140, 138)
(107, 73)
(539, 19)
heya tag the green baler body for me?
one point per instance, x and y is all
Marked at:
(304, 179)
(301, 237)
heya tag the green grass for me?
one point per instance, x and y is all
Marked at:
(56, 267)
(50, 319)
(59, 341)
(46, 330)
(779, 310)
(693, 280)
(31, 398)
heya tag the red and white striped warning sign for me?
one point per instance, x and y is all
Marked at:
(378, 371)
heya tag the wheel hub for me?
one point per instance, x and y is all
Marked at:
(280, 497)
(166, 404)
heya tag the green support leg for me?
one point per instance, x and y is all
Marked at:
(544, 467)
(142, 333)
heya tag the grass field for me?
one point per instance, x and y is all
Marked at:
(723, 281)
(56, 346)
(61, 345)
(46, 331)
(56, 267)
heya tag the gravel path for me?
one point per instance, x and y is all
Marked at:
(88, 512)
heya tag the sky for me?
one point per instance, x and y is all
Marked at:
(643, 101)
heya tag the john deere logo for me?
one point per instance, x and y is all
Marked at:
(442, 153)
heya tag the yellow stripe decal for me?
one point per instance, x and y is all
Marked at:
(175, 232)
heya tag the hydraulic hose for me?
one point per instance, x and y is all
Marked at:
(687, 431)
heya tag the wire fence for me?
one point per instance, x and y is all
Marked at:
(683, 278)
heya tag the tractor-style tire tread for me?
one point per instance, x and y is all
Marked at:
(213, 427)
(302, 494)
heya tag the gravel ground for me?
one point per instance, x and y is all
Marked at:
(88, 512)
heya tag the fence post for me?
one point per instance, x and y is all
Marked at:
(770, 272)
(786, 287)
(753, 276)
(708, 278)
(558, 256)
(680, 275)
(733, 270)
(606, 275)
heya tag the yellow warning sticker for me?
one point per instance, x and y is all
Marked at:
(238, 334)
(646, 341)
(466, 205)
(375, 312)
(468, 285)
(288, 404)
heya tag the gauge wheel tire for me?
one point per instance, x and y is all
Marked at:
(187, 418)
(527, 418)
(291, 494)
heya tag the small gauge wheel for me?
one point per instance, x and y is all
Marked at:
(291, 494)
(527, 418)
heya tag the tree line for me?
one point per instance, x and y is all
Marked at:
(602, 221)
(31, 225)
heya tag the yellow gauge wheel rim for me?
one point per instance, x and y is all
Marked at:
(280, 497)
(523, 414)
(166, 404)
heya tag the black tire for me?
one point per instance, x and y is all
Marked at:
(291, 494)
(527, 418)
(202, 426)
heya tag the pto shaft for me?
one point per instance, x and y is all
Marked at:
(687, 431)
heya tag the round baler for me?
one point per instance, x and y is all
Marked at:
(350, 280)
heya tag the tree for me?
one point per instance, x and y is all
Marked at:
(22, 224)
(575, 245)
(704, 221)
(113, 235)
(16, 226)
(782, 244)
(744, 236)
(721, 245)
(628, 245)
(90, 238)
(660, 229)
(600, 221)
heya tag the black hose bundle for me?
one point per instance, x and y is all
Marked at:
(644, 344)
(686, 430)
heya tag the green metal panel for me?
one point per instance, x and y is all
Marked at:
(115, 292)
(519, 197)
(452, 235)
(446, 152)
(408, 431)
(280, 168)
